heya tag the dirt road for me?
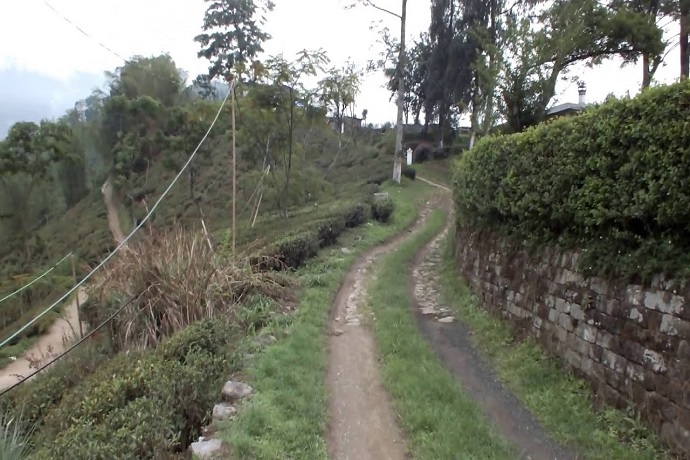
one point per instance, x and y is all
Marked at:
(363, 424)
(62, 332)
(452, 342)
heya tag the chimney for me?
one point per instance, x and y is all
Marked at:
(582, 91)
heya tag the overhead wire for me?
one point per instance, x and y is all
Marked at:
(12, 294)
(75, 345)
(124, 242)
(151, 211)
(99, 43)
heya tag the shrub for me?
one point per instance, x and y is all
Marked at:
(293, 250)
(422, 153)
(378, 180)
(35, 398)
(382, 210)
(152, 403)
(609, 180)
(368, 192)
(409, 172)
(441, 154)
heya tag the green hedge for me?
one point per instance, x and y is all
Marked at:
(614, 180)
(295, 250)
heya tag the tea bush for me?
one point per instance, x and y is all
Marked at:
(148, 403)
(409, 172)
(293, 250)
(382, 210)
(612, 180)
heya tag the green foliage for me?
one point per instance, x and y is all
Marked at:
(34, 399)
(409, 172)
(293, 250)
(232, 35)
(610, 180)
(18, 310)
(152, 403)
(382, 210)
(14, 437)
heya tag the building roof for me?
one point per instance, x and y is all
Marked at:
(568, 106)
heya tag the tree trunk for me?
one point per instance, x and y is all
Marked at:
(684, 56)
(397, 165)
(112, 205)
(646, 77)
(474, 117)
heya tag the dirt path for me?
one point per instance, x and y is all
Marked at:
(49, 345)
(363, 424)
(452, 342)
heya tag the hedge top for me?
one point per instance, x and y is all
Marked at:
(614, 180)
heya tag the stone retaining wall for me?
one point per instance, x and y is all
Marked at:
(631, 343)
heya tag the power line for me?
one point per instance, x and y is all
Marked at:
(87, 35)
(75, 345)
(36, 279)
(82, 31)
(123, 242)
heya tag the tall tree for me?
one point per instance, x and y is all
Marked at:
(232, 35)
(277, 106)
(27, 160)
(684, 13)
(338, 92)
(541, 48)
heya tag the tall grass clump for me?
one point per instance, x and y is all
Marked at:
(14, 437)
(179, 280)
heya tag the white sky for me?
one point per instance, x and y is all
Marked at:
(33, 37)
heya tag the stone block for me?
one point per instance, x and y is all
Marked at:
(582, 346)
(587, 332)
(664, 302)
(562, 305)
(613, 361)
(658, 404)
(577, 312)
(654, 361)
(554, 315)
(596, 353)
(566, 322)
(634, 295)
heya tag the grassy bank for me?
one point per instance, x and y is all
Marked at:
(287, 418)
(558, 400)
(435, 170)
(440, 421)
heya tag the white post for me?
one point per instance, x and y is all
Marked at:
(409, 156)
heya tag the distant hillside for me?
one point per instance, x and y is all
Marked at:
(84, 227)
(32, 96)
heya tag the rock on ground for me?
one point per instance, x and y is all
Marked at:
(236, 390)
(207, 449)
(223, 411)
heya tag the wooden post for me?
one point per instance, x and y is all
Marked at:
(234, 177)
(76, 293)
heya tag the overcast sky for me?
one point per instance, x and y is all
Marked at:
(46, 64)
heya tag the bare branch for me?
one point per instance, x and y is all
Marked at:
(370, 3)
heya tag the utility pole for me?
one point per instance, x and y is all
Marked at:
(397, 164)
(231, 83)
(76, 299)
(234, 171)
